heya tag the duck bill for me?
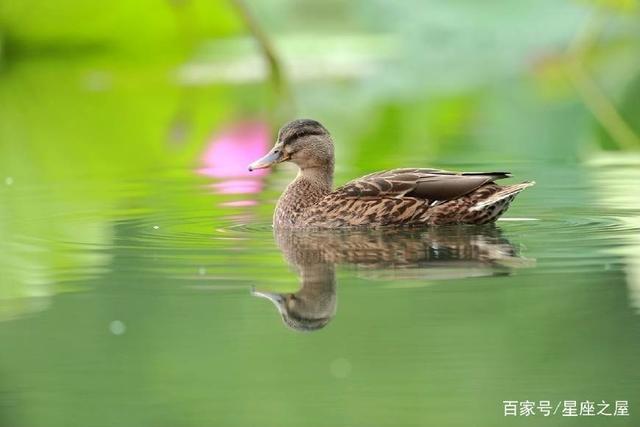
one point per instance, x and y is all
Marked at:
(275, 298)
(271, 158)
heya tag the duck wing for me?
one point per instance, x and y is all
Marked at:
(429, 184)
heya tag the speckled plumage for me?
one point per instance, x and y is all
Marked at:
(398, 197)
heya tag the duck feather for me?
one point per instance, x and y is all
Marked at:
(427, 184)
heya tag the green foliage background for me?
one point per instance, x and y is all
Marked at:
(105, 109)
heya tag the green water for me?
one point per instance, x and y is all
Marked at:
(127, 270)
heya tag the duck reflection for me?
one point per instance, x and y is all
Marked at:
(437, 253)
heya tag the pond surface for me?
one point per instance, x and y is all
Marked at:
(148, 318)
(141, 283)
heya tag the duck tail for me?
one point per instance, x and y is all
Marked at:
(503, 193)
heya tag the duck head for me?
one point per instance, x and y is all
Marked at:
(301, 314)
(304, 142)
(314, 305)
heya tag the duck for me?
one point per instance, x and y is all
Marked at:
(411, 197)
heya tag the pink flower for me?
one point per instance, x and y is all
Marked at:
(228, 154)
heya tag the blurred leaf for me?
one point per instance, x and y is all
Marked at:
(629, 109)
(622, 6)
(145, 27)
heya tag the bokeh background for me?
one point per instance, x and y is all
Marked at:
(130, 230)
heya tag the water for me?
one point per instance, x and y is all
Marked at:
(141, 306)
(141, 283)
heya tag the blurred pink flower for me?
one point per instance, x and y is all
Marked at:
(238, 186)
(240, 203)
(229, 153)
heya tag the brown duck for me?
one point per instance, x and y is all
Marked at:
(397, 197)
